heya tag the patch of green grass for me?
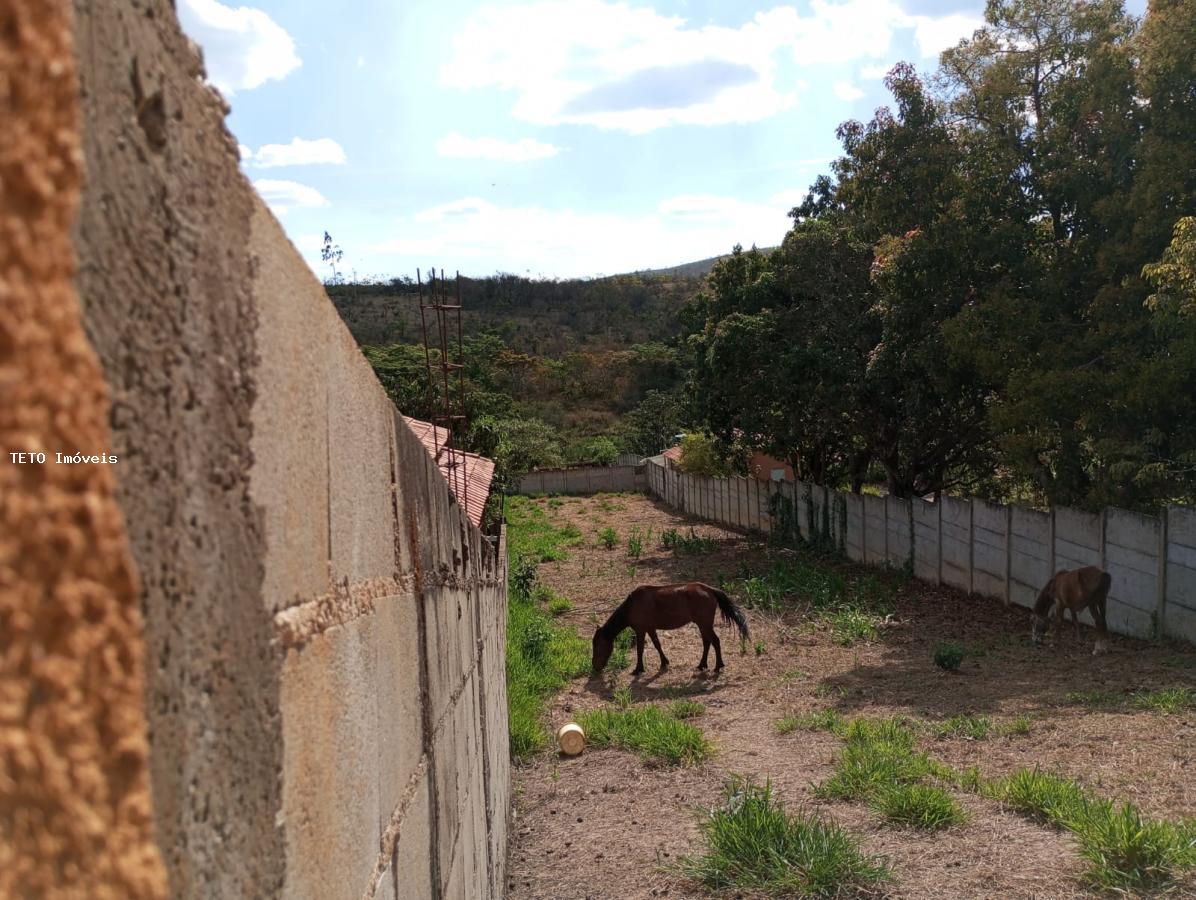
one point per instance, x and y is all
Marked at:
(975, 727)
(849, 625)
(621, 697)
(1096, 699)
(1020, 725)
(1166, 700)
(752, 843)
(692, 544)
(555, 502)
(541, 658)
(821, 720)
(923, 806)
(531, 534)
(686, 709)
(878, 754)
(609, 538)
(949, 655)
(558, 606)
(759, 648)
(648, 730)
(1124, 849)
(636, 540)
(620, 657)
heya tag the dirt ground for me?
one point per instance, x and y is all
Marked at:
(607, 824)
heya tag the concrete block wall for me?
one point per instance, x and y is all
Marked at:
(583, 480)
(324, 629)
(1005, 552)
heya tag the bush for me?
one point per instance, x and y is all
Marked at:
(609, 538)
(948, 655)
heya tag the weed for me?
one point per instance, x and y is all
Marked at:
(648, 730)
(759, 648)
(821, 720)
(878, 754)
(849, 625)
(693, 544)
(1124, 850)
(1020, 725)
(752, 842)
(621, 697)
(924, 806)
(1168, 700)
(948, 655)
(620, 657)
(975, 727)
(686, 709)
(635, 542)
(558, 606)
(1096, 699)
(609, 538)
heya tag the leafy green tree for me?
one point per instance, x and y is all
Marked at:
(649, 427)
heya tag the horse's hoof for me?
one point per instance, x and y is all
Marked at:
(635, 672)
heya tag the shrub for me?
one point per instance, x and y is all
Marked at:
(948, 655)
(609, 538)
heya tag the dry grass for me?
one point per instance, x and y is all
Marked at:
(608, 824)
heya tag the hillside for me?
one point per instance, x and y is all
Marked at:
(538, 317)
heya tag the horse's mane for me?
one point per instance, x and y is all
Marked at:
(1045, 597)
(617, 620)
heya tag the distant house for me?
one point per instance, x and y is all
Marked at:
(761, 466)
(472, 489)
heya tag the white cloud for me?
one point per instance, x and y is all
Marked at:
(845, 90)
(361, 62)
(934, 35)
(283, 196)
(243, 47)
(615, 66)
(480, 236)
(457, 146)
(298, 152)
(875, 73)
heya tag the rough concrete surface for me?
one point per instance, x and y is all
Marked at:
(323, 627)
(75, 816)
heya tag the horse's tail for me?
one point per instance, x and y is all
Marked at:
(731, 612)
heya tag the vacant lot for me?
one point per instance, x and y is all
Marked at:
(615, 823)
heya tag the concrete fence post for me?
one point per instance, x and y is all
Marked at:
(971, 546)
(1008, 555)
(1161, 604)
(1051, 539)
(885, 507)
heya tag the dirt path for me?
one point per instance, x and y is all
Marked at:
(606, 824)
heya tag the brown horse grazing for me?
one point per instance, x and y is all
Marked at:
(652, 608)
(1075, 590)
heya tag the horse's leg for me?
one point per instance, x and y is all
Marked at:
(1075, 621)
(639, 653)
(705, 631)
(664, 660)
(1060, 609)
(718, 650)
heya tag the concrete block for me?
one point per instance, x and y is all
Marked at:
(397, 699)
(412, 867)
(1181, 526)
(359, 460)
(1132, 531)
(330, 755)
(1080, 531)
(289, 478)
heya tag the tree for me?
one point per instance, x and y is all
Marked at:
(649, 427)
(331, 254)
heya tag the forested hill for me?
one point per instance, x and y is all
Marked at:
(540, 317)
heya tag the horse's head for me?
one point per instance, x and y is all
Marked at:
(1042, 611)
(602, 649)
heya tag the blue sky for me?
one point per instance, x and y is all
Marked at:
(552, 138)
